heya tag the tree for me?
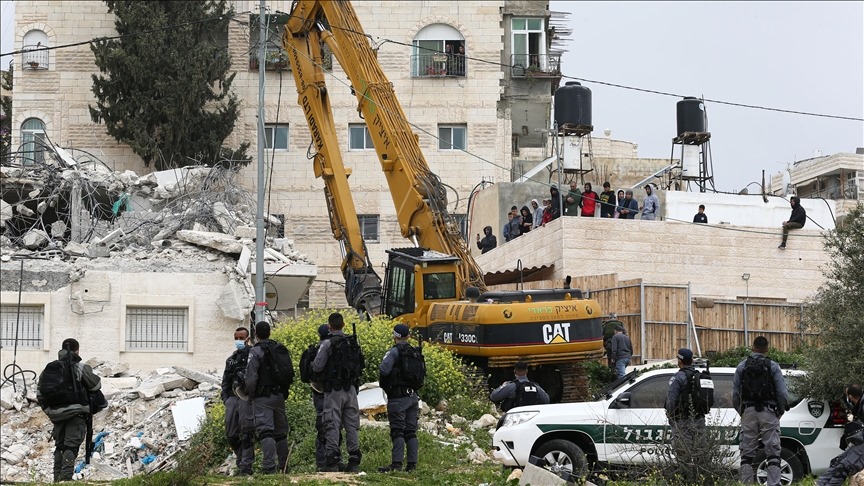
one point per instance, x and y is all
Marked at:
(165, 87)
(837, 314)
(6, 114)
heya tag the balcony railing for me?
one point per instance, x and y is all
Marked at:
(535, 65)
(437, 65)
(35, 59)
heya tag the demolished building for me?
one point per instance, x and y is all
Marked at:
(146, 270)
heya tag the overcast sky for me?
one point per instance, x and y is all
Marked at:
(803, 56)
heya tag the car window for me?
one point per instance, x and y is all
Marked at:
(650, 393)
(722, 390)
(791, 384)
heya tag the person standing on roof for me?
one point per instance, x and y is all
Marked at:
(573, 200)
(555, 197)
(651, 205)
(759, 395)
(488, 242)
(538, 213)
(589, 201)
(796, 219)
(628, 207)
(608, 201)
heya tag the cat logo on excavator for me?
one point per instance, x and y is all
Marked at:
(558, 333)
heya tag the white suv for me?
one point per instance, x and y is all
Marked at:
(627, 425)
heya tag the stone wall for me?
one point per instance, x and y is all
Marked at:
(712, 258)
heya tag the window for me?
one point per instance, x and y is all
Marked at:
(439, 50)
(399, 297)
(28, 319)
(33, 58)
(275, 58)
(368, 227)
(439, 286)
(33, 140)
(276, 136)
(359, 138)
(462, 221)
(529, 43)
(451, 137)
(160, 329)
(650, 393)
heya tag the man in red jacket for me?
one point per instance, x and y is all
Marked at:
(589, 201)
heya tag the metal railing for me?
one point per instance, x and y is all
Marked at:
(438, 64)
(34, 59)
(535, 65)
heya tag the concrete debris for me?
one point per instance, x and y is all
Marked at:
(75, 209)
(149, 418)
(485, 421)
(235, 301)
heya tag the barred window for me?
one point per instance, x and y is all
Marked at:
(154, 328)
(29, 323)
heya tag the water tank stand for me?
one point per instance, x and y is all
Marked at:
(705, 176)
(586, 158)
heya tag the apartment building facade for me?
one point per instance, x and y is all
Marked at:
(462, 108)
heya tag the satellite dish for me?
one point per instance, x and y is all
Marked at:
(743, 192)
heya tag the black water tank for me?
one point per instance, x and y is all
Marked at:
(573, 104)
(691, 115)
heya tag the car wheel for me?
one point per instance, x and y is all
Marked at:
(562, 456)
(791, 469)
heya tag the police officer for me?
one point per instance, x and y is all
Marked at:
(506, 393)
(268, 405)
(403, 405)
(851, 461)
(70, 419)
(340, 406)
(685, 421)
(239, 426)
(760, 417)
(318, 401)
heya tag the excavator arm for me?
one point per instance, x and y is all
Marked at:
(362, 284)
(418, 195)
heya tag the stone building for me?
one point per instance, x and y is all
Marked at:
(463, 112)
(838, 177)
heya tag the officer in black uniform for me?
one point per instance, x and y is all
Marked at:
(686, 422)
(506, 393)
(239, 425)
(403, 405)
(318, 401)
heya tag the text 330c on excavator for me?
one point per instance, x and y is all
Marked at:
(435, 286)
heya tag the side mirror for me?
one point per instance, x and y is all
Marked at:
(623, 401)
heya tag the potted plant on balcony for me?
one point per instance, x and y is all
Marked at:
(277, 60)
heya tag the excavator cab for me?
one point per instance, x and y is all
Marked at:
(416, 276)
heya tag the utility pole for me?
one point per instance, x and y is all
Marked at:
(260, 301)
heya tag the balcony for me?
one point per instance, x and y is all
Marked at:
(535, 65)
(438, 65)
(275, 60)
(35, 59)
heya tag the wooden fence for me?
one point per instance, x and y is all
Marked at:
(662, 318)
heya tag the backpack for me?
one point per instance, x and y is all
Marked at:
(306, 359)
(280, 369)
(59, 385)
(699, 394)
(345, 365)
(411, 371)
(526, 394)
(757, 384)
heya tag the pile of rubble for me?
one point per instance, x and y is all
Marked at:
(150, 418)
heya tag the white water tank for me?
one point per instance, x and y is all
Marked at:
(571, 155)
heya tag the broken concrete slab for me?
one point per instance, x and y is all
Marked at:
(150, 390)
(235, 301)
(76, 249)
(198, 376)
(172, 382)
(245, 232)
(34, 239)
(122, 383)
(217, 241)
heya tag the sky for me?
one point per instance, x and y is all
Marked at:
(801, 56)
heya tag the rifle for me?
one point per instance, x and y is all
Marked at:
(89, 447)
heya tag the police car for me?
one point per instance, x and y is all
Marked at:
(626, 425)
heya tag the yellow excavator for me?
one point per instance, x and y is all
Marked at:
(434, 286)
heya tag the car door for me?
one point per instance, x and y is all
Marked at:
(636, 422)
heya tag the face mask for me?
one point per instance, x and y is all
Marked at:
(239, 344)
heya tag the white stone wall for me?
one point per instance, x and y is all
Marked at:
(710, 257)
(96, 318)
